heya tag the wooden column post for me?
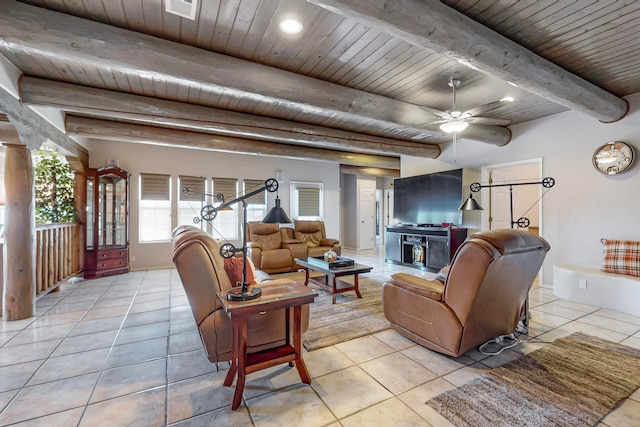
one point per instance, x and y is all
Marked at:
(80, 203)
(19, 293)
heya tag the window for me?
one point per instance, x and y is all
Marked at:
(225, 225)
(306, 200)
(155, 208)
(191, 200)
(256, 204)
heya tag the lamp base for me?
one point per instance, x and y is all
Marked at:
(237, 293)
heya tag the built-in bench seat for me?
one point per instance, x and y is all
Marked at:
(607, 290)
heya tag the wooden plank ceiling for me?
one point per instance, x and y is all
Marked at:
(353, 81)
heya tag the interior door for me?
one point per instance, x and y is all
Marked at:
(500, 214)
(366, 213)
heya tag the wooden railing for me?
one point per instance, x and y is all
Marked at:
(57, 255)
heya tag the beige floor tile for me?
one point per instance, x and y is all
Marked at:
(97, 325)
(65, 418)
(627, 414)
(559, 310)
(585, 308)
(546, 319)
(325, 360)
(391, 412)
(297, 405)
(632, 342)
(142, 332)
(222, 417)
(199, 395)
(16, 376)
(348, 391)
(184, 341)
(49, 398)
(6, 396)
(70, 365)
(191, 364)
(365, 348)
(146, 317)
(27, 352)
(397, 372)
(40, 334)
(271, 379)
(623, 317)
(416, 400)
(596, 319)
(145, 409)
(85, 342)
(467, 373)
(436, 362)
(394, 340)
(130, 379)
(129, 354)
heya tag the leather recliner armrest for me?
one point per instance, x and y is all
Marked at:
(329, 242)
(254, 245)
(432, 289)
(291, 241)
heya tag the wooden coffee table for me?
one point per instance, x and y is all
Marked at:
(331, 282)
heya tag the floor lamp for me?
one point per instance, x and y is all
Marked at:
(241, 292)
(471, 205)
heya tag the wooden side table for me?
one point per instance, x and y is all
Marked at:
(276, 297)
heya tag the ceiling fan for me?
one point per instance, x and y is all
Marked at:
(454, 121)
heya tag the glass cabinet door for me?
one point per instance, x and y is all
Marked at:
(112, 211)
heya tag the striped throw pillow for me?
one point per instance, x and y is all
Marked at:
(621, 257)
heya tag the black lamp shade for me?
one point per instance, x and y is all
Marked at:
(470, 205)
(276, 215)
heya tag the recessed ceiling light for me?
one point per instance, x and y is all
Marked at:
(507, 99)
(291, 26)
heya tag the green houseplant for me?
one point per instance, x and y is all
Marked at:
(54, 189)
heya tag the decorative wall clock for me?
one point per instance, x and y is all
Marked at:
(613, 158)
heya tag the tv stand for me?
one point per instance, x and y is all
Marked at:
(420, 246)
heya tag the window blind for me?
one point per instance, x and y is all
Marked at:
(155, 186)
(252, 185)
(227, 186)
(308, 201)
(196, 186)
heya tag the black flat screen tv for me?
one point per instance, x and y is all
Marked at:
(428, 200)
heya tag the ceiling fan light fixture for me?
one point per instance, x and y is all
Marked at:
(454, 126)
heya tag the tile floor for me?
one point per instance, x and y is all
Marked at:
(124, 351)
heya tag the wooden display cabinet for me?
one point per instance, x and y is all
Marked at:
(107, 224)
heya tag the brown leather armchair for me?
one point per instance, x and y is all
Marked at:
(313, 234)
(268, 251)
(481, 298)
(201, 269)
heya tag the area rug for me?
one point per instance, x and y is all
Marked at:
(350, 317)
(574, 381)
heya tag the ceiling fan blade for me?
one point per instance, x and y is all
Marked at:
(435, 111)
(488, 121)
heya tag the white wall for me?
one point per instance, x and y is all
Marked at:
(140, 158)
(584, 205)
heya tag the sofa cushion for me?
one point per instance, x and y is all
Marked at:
(621, 257)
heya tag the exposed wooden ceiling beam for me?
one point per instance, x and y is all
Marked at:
(29, 30)
(435, 26)
(119, 131)
(34, 130)
(365, 171)
(134, 108)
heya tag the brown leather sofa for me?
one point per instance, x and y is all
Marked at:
(273, 249)
(313, 234)
(201, 269)
(481, 298)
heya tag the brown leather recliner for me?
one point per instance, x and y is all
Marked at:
(313, 234)
(201, 269)
(481, 298)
